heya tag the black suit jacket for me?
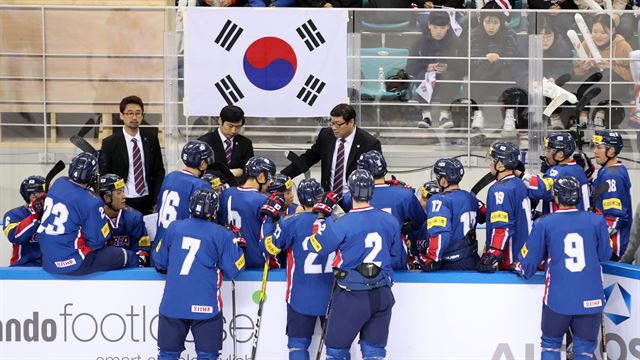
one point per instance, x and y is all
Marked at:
(323, 150)
(241, 153)
(117, 162)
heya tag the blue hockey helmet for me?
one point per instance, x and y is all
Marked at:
(561, 141)
(309, 192)
(567, 190)
(608, 138)
(505, 152)
(361, 185)
(449, 168)
(429, 188)
(194, 151)
(374, 163)
(109, 183)
(259, 164)
(212, 179)
(83, 168)
(32, 184)
(280, 183)
(203, 203)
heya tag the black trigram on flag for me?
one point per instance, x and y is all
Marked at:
(311, 90)
(228, 35)
(310, 34)
(229, 90)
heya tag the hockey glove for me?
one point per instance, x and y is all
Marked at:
(544, 165)
(520, 168)
(324, 208)
(585, 163)
(516, 267)
(396, 182)
(238, 239)
(37, 205)
(482, 213)
(273, 262)
(273, 205)
(407, 227)
(143, 258)
(490, 260)
(427, 264)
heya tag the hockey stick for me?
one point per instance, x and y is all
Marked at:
(603, 340)
(265, 274)
(55, 170)
(487, 179)
(84, 145)
(563, 79)
(588, 83)
(225, 174)
(586, 98)
(297, 161)
(603, 188)
(326, 320)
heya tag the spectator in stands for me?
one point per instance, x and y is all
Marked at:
(615, 52)
(491, 41)
(327, 4)
(439, 43)
(134, 154)
(271, 3)
(229, 147)
(337, 147)
(555, 47)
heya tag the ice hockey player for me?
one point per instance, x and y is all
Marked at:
(397, 200)
(127, 225)
(365, 243)
(194, 253)
(309, 275)
(427, 190)
(615, 204)
(451, 221)
(20, 224)
(74, 229)
(573, 296)
(283, 184)
(558, 161)
(508, 210)
(216, 183)
(240, 206)
(178, 186)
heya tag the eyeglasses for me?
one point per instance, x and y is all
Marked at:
(336, 124)
(133, 113)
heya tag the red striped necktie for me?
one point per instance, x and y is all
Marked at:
(339, 169)
(228, 150)
(138, 174)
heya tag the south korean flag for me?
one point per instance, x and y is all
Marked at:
(271, 62)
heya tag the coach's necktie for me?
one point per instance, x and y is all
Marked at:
(138, 174)
(339, 170)
(228, 150)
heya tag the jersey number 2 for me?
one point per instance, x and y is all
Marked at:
(60, 215)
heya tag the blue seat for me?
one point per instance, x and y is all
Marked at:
(390, 60)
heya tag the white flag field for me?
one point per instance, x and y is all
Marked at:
(270, 62)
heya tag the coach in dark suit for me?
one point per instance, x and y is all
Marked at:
(338, 148)
(229, 147)
(134, 154)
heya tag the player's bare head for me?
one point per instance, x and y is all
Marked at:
(566, 191)
(203, 203)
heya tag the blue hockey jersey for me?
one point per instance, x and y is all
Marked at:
(73, 224)
(451, 225)
(508, 217)
(195, 252)
(128, 230)
(615, 204)
(241, 206)
(540, 186)
(20, 227)
(292, 209)
(573, 284)
(173, 199)
(364, 235)
(309, 275)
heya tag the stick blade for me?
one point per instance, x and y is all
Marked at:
(55, 170)
(487, 179)
(82, 144)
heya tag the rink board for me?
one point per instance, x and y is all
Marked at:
(445, 315)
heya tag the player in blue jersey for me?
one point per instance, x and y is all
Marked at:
(283, 184)
(216, 183)
(74, 229)
(240, 206)
(309, 275)
(127, 225)
(615, 204)
(558, 161)
(20, 224)
(365, 243)
(573, 296)
(397, 200)
(508, 210)
(451, 221)
(427, 190)
(179, 185)
(194, 253)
